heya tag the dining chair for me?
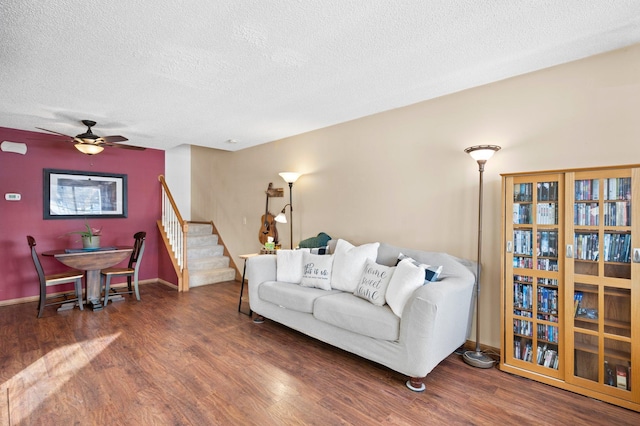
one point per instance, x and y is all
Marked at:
(72, 275)
(131, 271)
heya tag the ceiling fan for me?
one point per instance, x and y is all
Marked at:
(90, 143)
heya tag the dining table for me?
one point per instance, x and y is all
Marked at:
(91, 261)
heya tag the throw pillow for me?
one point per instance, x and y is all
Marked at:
(289, 266)
(405, 280)
(321, 240)
(431, 273)
(374, 282)
(316, 270)
(349, 262)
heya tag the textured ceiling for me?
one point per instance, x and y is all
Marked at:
(201, 72)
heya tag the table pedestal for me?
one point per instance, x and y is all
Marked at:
(93, 290)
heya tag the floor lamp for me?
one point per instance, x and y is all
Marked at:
(290, 178)
(480, 153)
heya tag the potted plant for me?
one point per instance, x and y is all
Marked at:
(90, 236)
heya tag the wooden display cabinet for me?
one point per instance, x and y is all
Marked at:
(571, 280)
(532, 294)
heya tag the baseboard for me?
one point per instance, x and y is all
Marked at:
(25, 299)
(167, 283)
(122, 284)
(489, 350)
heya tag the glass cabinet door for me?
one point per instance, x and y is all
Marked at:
(533, 296)
(598, 277)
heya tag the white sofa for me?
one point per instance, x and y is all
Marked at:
(436, 319)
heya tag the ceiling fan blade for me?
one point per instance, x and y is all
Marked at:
(137, 148)
(57, 133)
(111, 139)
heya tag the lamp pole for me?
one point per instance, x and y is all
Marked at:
(290, 178)
(291, 215)
(480, 153)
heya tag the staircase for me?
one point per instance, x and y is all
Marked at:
(206, 261)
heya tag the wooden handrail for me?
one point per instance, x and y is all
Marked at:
(174, 206)
(174, 232)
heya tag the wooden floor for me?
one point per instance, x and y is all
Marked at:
(191, 359)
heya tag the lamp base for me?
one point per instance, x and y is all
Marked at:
(477, 359)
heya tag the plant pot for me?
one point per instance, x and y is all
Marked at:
(91, 242)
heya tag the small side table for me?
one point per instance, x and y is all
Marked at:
(244, 271)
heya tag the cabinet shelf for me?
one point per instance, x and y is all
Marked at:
(607, 322)
(586, 261)
(584, 347)
(617, 263)
(608, 290)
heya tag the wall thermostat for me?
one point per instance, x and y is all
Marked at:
(11, 196)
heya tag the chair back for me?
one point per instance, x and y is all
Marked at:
(138, 249)
(36, 260)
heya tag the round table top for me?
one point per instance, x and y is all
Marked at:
(89, 260)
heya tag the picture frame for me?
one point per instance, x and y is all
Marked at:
(72, 194)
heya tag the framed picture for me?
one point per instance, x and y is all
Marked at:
(69, 194)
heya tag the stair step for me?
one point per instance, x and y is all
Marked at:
(196, 240)
(206, 251)
(200, 229)
(211, 276)
(204, 263)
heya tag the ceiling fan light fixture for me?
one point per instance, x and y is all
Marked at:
(86, 141)
(89, 143)
(89, 149)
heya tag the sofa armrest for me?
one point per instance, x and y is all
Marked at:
(435, 320)
(260, 269)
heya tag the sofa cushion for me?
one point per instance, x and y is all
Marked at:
(405, 280)
(316, 270)
(349, 262)
(291, 296)
(374, 282)
(289, 266)
(354, 314)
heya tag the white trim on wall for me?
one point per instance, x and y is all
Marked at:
(177, 166)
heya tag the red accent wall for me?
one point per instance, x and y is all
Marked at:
(23, 174)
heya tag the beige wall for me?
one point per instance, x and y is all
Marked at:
(402, 177)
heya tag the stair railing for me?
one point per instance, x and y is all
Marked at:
(174, 233)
